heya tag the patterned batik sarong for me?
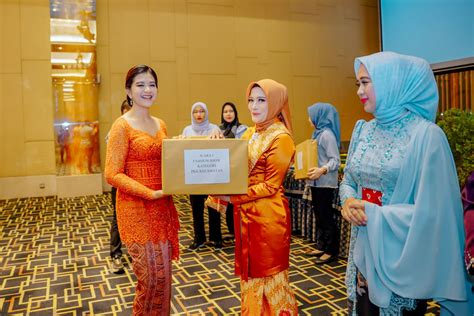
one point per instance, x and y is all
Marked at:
(152, 267)
(268, 296)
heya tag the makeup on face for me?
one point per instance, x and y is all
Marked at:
(143, 90)
(366, 90)
(228, 114)
(199, 114)
(258, 105)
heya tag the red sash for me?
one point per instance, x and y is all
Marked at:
(372, 196)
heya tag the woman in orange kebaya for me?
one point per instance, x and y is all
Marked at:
(147, 219)
(262, 216)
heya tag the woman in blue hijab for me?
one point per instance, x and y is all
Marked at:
(400, 192)
(200, 125)
(323, 179)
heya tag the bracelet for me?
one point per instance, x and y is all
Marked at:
(469, 262)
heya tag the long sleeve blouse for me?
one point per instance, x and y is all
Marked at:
(328, 156)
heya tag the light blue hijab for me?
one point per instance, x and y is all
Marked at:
(325, 116)
(199, 129)
(401, 83)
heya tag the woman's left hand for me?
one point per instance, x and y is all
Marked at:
(353, 211)
(216, 135)
(225, 198)
(316, 173)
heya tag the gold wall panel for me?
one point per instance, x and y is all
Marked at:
(37, 100)
(130, 34)
(13, 160)
(40, 157)
(330, 89)
(305, 53)
(215, 2)
(103, 67)
(276, 25)
(25, 100)
(306, 91)
(370, 23)
(250, 33)
(10, 53)
(331, 35)
(304, 6)
(117, 95)
(334, 2)
(103, 23)
(12, 146)
(211, 39)
(182, 89)
(163, 30)
(353, 10)
(249, 39)
(35, 29)
(181, 20)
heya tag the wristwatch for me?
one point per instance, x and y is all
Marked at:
(326, 169)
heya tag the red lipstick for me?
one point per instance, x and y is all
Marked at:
(364, 100)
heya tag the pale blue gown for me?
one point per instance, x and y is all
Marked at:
(412, 246)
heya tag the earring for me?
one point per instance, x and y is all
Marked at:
(131, 102)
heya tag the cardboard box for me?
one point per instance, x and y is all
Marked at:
(306, 157)
(205, 166)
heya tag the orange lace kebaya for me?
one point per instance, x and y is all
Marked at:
(133, 166)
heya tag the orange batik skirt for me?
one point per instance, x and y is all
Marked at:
(268, 296)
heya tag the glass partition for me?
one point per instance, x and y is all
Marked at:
(74, 80)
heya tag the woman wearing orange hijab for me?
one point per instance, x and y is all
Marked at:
(262, 216)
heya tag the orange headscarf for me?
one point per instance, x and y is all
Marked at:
(277, 100)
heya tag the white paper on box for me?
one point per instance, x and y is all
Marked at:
(206, 166)
(299, 160)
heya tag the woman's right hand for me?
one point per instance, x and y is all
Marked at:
(158, 194)
(353, 211)
(315, 173)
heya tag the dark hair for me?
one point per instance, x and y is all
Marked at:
(135, 71)
(125, 106)
(232, 105)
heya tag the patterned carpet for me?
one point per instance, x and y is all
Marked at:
(55, 261)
